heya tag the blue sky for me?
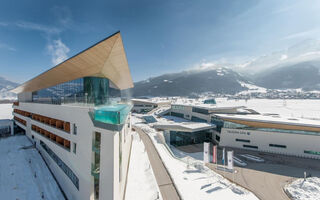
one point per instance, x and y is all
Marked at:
(159, 36)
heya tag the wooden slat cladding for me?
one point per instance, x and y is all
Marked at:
(53, 137)
(273, 125)
(59, 124)
(20, 120)
(105, 59)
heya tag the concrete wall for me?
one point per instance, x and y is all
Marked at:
(296, 143)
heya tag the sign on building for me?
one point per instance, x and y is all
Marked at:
(230, 159)
(206, 152)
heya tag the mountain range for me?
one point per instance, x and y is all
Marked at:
(5, 87)
(292, 68)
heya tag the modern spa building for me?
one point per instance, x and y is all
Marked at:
(269, 133)
(80, 122)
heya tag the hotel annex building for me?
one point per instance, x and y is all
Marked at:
(78, 121)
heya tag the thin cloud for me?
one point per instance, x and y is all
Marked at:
(38, 27)
(7, 47)
(3, 24)
(301, 34)
(58, 51)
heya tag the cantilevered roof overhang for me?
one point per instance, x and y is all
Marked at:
(106, 59)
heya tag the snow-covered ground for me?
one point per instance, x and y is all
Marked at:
(141, 183)
(195, 182)
(305, 108)
(305, 190)
(23, 173)
(6, 111)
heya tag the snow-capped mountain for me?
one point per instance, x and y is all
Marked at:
(304, 75)
(5, 87)
(185, 83)
(305, 51)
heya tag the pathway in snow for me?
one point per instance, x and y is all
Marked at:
(141, 181)
(23, 174)
(195, 183)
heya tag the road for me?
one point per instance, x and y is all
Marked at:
(167, 188)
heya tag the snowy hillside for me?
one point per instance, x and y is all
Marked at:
(5, 87)
(192, 82)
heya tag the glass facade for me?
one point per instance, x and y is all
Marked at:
(91, 90)
(200, 110)
(178, 138)
(95, 166)
(209, 101)
(218, 122)
(312, 152)
(197, 119)
(112, 114)
(176, 114)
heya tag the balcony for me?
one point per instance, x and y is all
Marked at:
(95, 170)
(112, 114)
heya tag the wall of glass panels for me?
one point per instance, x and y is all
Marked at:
(92, 90)
(178, 138)
(200, 110)
(197, 119)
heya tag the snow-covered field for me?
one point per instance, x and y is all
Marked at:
(195, 183)
(305, 190)
(23, 173)
(287, 108)
(6, 111)
(141, 183)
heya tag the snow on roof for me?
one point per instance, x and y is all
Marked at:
(208, 106)
(152, 101)
(180, 124)
(276, 119)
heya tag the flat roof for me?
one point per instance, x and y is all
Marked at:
(105, 59)
(180, 124)
(184, 126)
(151, 101)
(211, 107)
(272, 119)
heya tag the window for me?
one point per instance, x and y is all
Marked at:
(74, 148)
(32, 137)
(277, 145)
(197, 119)
(74, 129)
(242, 140)
(218, 138)
(200, 110)
(250, 146)
(74, 179)
(177, 114)
(312, 152)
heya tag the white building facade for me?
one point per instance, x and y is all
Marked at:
(82, 133)
(294, 137)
